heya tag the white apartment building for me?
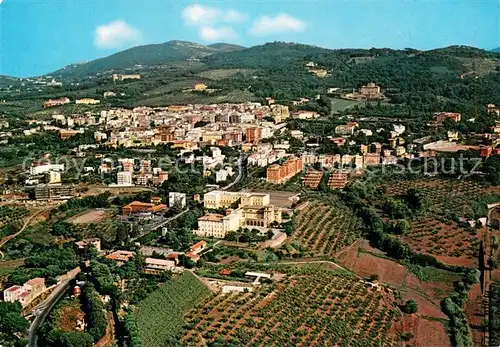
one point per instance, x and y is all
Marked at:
(124, 178)
(221, 176)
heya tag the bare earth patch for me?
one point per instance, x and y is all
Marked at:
(425, 332)
(90, 216)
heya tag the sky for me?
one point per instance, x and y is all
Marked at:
(41, 36)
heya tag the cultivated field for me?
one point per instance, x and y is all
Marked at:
(443, 194)
(323, 228)
(427, 286)
(160, 315)
(438, 232)
(90, 216)
(6, 267)
(342, 104)
(104, 229)
(310, 307)
(445, 240)
(9, 214)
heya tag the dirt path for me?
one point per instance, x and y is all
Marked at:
(26, 224)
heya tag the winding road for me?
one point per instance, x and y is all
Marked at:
(42, 310)
(241, 161)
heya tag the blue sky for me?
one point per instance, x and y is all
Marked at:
(40, 36)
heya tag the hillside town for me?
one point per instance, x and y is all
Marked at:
(271, 194)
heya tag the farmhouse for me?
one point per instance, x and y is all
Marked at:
(56, 102)
(370, 90)
(87, 101)
(199, 247)
(257, 276)
(200, 87)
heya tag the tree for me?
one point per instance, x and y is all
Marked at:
(14, 322)
(74, 339)
(402, 227)
(61, 228)
(122, 233)
(410, 307)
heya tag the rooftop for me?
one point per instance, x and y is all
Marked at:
(211, 218)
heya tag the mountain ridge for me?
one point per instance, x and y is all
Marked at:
(229, 55)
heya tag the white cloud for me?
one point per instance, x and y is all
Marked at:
(200, 15)
(116, 34)
(282, 23)
(211, 34)
(233, 16)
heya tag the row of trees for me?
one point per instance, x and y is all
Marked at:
(453, 307)
(94, 312)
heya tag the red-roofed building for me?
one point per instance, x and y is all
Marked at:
(199, 247)
(141, 207)
(440, 117)
(121, 257)
(27, 293)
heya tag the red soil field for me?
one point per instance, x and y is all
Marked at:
(425, 332)
(427, 294)
(447, 242)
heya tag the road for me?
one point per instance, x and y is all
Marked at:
(26, 224)
(159, 224)
(42, 310)
(241, 161)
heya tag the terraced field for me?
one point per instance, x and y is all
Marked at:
(324, 229)
(315, 308)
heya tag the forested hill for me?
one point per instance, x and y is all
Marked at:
(456, 78)
(453, 75)
(147, 55)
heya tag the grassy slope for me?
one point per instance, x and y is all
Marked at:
(161, 315)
